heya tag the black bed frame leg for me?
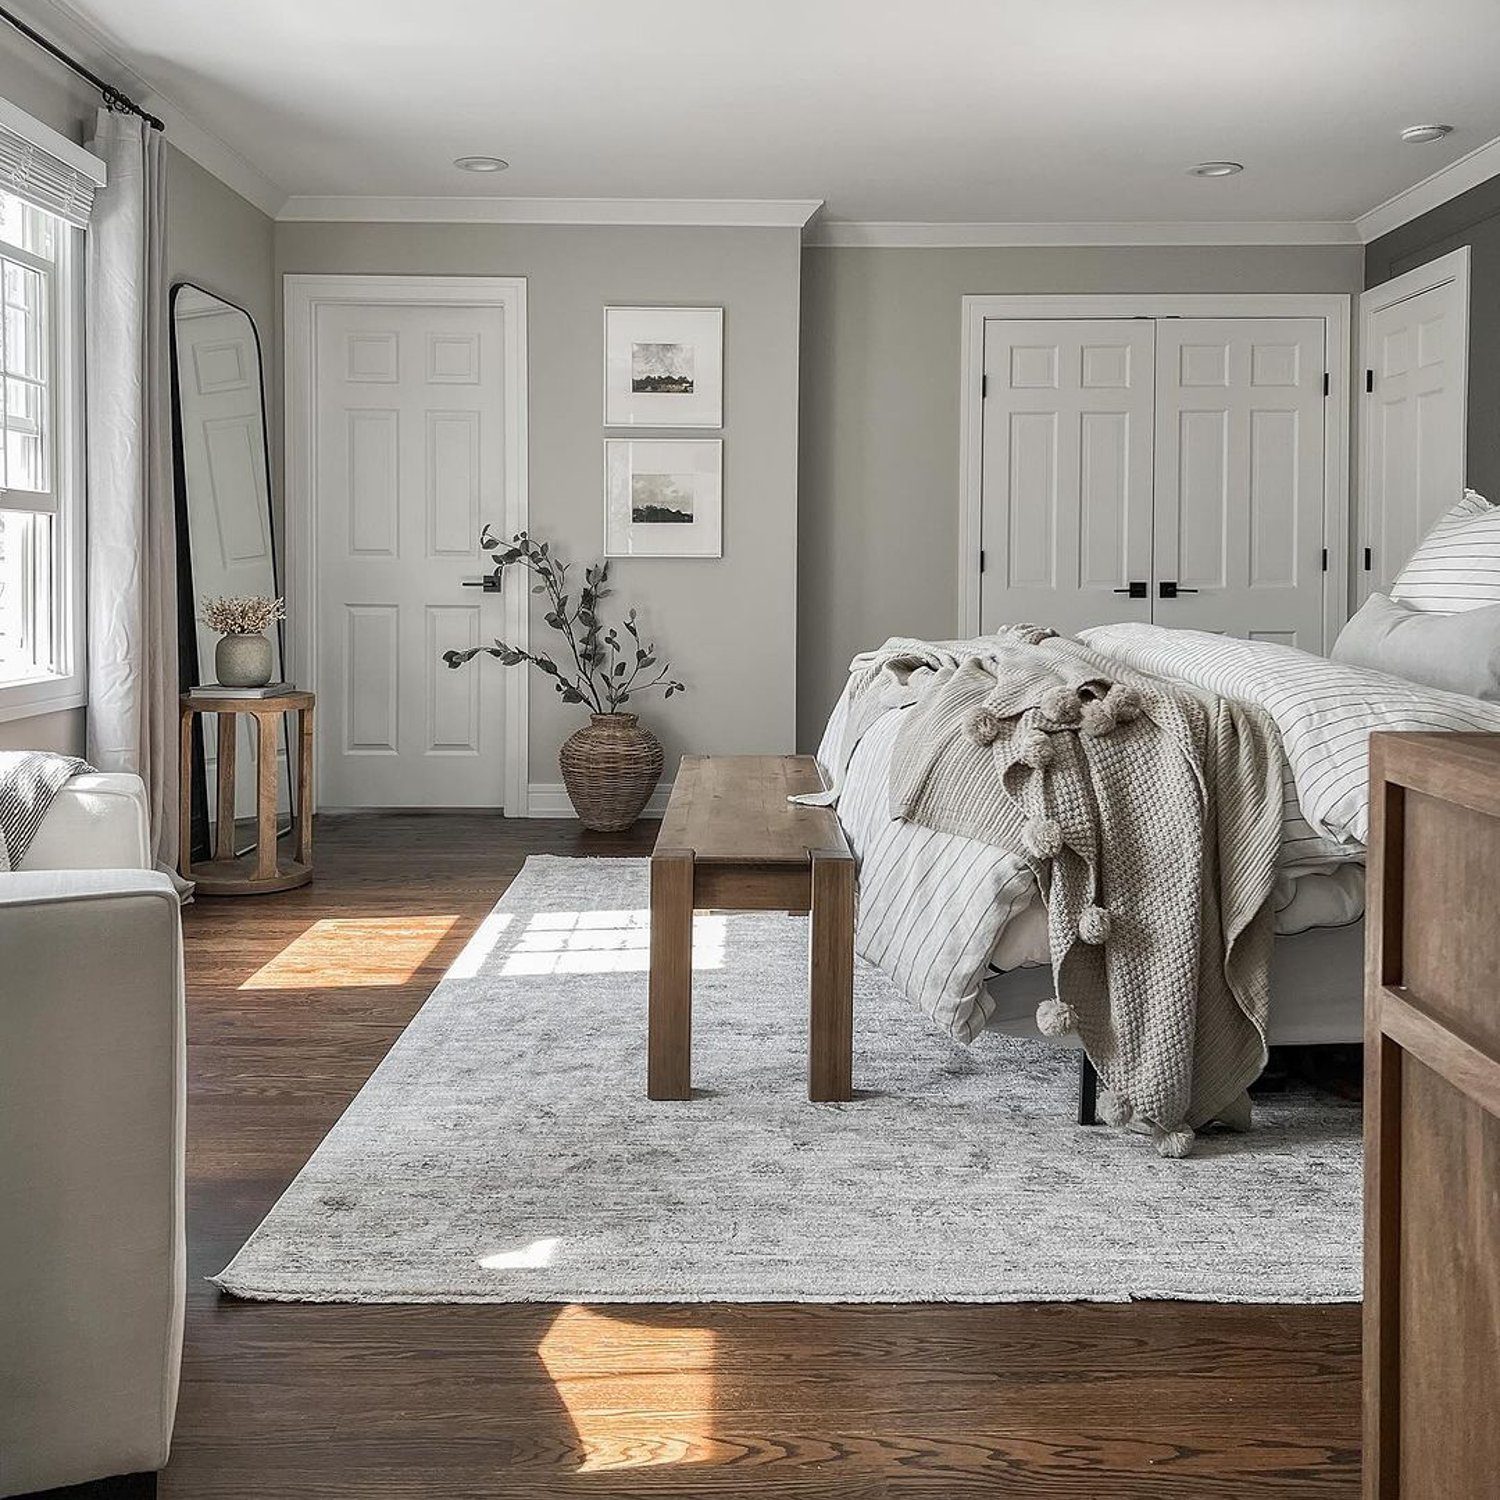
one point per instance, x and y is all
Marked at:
(1088, 1090)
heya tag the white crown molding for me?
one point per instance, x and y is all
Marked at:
(1479, 165)
(739, 213)
(61, 24)
(848, 234)
(549, 799)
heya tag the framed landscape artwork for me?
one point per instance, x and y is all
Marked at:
(663, 497)
(663, 366)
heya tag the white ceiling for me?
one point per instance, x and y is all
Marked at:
(971, 111)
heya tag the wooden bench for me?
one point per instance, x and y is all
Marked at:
(730, 840)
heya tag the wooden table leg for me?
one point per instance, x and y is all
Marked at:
(267, 728)
(185, 795)
(669, 1037)
(830, 1072)
(224, 822)
(303, 849)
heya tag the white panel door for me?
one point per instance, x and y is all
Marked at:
(1414, 412)
(409, 464)
(1239, 477)
(1066, 497)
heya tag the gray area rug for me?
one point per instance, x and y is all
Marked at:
(505, 1149)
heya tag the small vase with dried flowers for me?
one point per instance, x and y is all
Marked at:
(243, 658)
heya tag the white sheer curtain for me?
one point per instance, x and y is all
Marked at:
(132, 546)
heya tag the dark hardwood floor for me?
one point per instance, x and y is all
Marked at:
(293, 999)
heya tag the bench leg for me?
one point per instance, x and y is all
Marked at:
(670, 1005)
(1088, 1090)
(831, 977)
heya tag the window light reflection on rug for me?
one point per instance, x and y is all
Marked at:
(672, 1366)
(604, 942)
(532, 1257)
(480, 946)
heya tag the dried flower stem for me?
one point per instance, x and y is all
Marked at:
(242, 615)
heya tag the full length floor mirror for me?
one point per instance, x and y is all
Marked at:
(225, 526)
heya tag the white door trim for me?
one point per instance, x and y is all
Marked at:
(1338, 535)
(303, 296)
(1452, 267)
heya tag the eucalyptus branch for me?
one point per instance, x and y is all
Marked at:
(609, 671)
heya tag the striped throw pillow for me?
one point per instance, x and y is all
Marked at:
(1457, 564)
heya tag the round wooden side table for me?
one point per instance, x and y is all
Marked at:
(263, 869)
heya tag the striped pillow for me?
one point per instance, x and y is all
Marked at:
(1457, 564)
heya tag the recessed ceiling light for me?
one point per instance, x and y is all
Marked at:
(1419, 135)
(480, 163)
(1215, 169)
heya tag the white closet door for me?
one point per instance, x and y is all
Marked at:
(1239, 477)
(1066, 493)
(1414, 412)
(409, 464)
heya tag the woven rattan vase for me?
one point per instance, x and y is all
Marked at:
(610, 768)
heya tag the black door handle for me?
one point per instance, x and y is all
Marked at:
(1170, 589)
(490, 583)
(1135, 590)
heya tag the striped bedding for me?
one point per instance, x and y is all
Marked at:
(935, 907)
(1457, 565)
(1325, 710)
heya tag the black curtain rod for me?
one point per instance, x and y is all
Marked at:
(112, 96)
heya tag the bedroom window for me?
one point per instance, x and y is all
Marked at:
(41, 533)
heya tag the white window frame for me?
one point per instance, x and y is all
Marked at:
(66, 686)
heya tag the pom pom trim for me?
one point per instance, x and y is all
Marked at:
(1055, 1017)
(1094, 925)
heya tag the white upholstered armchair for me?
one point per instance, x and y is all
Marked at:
(92, 1085)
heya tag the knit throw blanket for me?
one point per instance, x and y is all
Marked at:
(1151, 816)
(29, 780)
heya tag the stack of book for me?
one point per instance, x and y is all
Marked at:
(215, 690)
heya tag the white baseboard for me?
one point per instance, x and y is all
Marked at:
(549, 799)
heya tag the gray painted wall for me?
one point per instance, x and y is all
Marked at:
(729, 627)
(1471, 219)
(213, 236)
(878, 519)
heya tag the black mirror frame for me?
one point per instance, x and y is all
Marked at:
(188, 665)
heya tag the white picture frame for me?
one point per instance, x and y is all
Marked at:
(663, 497)
(663, 366)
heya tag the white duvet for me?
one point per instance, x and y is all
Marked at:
(937, 909)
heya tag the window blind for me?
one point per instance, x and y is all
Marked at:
(45, 168)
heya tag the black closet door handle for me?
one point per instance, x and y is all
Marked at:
(1135, 590)
(1169, 589)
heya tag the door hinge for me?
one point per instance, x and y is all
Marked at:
(1367, 559)
(1327, 383)
(1369, 380)
(981, 559)
(984, 386)
(1325, 559)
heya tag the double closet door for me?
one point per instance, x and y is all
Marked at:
(1167, 470)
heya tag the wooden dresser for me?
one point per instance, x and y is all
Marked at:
(1432, 1119)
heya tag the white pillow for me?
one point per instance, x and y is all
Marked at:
(1458, 653)
(1457, 564)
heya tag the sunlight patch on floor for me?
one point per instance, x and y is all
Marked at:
(590, 1355)
(347, 952)
(603, 942)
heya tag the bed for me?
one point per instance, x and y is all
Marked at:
(960, 925)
